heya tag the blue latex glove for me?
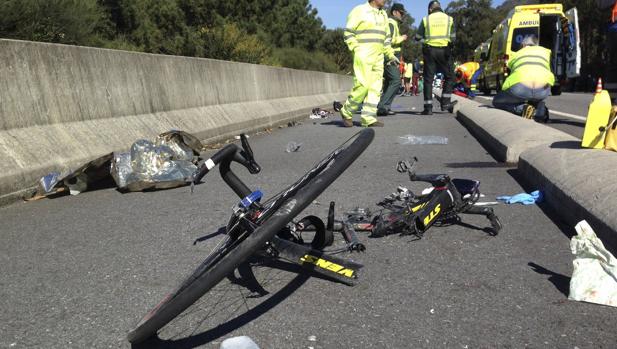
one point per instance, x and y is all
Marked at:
(523, 198)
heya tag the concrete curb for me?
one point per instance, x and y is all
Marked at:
(577, 183)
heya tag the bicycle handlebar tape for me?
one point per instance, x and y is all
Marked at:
(203, 170)
(251, 198)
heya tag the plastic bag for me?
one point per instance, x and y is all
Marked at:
(411, 139)
(594, 278)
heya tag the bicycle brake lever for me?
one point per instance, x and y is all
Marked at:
(246, 146)
(247, 153)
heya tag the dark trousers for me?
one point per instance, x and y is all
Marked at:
(437, 59)
(391, 84)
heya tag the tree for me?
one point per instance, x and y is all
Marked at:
(230, 43)
(59, 21)
(333, 44)
(474, 21)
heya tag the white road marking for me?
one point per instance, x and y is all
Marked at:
(552, 111)
(576, 117)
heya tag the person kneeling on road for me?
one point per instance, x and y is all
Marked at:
(368, 36)
(529, 83)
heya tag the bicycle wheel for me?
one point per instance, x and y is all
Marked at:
(231, 253)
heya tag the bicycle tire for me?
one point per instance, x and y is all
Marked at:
(200, 281)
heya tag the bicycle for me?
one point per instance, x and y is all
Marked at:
(253, 226)
(409, 214)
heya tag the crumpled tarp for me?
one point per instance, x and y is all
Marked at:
(594, 278)
(168, 162)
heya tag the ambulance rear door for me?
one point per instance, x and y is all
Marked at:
(572, 46)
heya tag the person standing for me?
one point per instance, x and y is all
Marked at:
(417, 71)
(392, 75)
(530, 80)
(368, 37)
(408, 76)
(436, 31)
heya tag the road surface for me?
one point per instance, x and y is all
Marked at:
(80, 271)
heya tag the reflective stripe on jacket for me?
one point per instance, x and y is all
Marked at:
(367, 33)
(437, 29)
(530, 64)
(397, 40)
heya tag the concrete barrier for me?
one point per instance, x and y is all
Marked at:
(63, 105)
(577, 183)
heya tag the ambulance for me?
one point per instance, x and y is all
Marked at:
(555, 29)
(480, 50)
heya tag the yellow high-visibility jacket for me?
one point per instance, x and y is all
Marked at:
(530, 64)
(367, 34)
(437, 29)
(397, 39)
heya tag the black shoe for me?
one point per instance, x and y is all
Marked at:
(382, 112)
(390, 112)
(427, 112)
(448, 106)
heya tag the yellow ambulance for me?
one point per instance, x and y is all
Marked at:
(481, 49)
(555, 29)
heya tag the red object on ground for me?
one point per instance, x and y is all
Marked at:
(459, 93)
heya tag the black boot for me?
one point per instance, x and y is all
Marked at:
(447, 104)
(428, 109)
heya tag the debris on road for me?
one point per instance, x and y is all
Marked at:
(168, 162)
(241, 342)
(523, 198)
(337, 106)
(293, 147)
(594, 278)
(411, 139)
(318, 113)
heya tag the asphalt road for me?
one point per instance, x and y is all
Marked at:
(568, 111)
(80, 271)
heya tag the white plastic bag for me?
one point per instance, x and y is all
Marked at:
(594, 278)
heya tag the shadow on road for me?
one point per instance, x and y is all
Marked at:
(561, 282)
(548, 211)
(229, 326)
(566, 145)
(567, 122)
(339, 123)
(479, 164)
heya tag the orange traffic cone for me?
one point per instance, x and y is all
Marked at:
(599, 86)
